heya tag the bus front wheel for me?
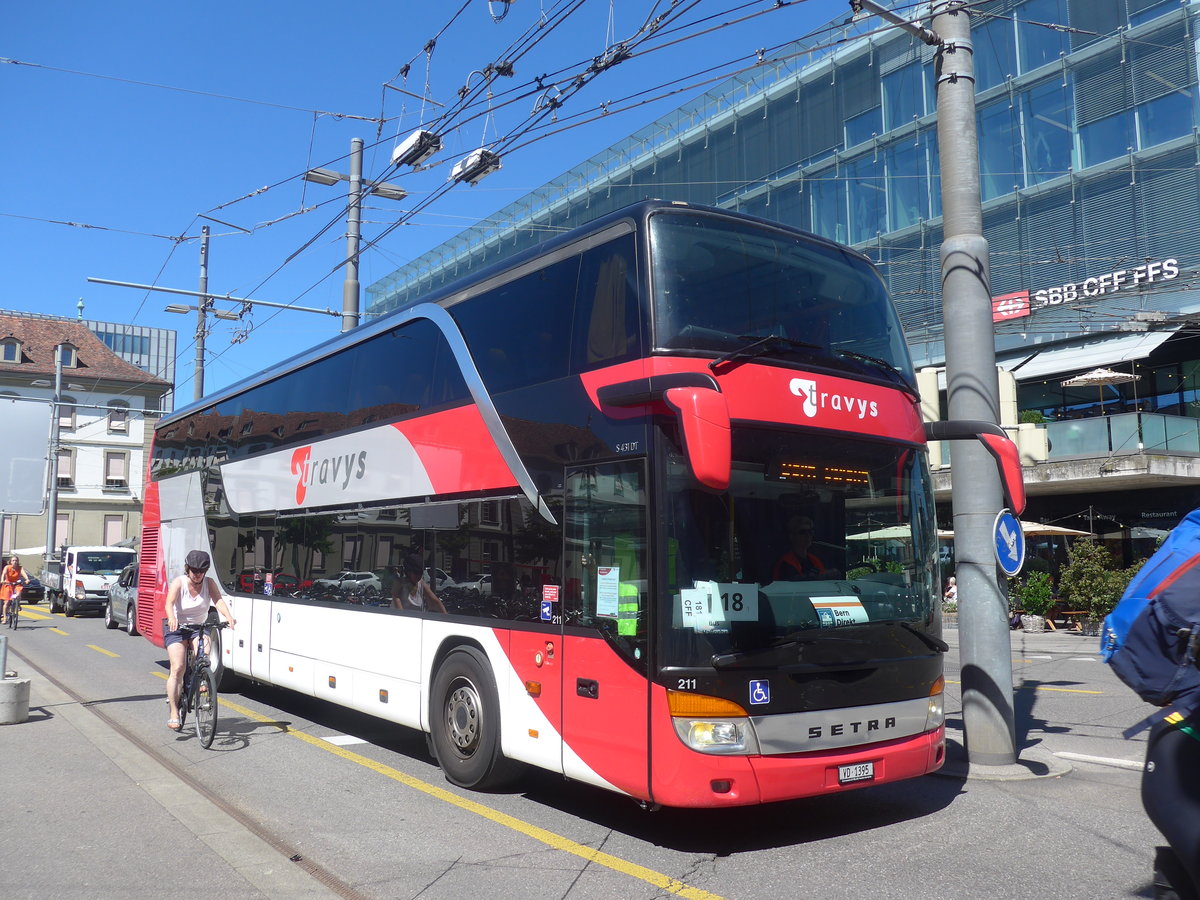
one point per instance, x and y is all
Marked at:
(465, 709)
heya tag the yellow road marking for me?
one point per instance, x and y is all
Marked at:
(59, 631)
(556, 841)
(1044, 687)
(105, 652)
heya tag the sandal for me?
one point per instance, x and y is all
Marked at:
(173, 724)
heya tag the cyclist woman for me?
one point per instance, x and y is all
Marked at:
(188, 601)
(12, 580)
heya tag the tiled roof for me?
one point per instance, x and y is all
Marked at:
(94, 359)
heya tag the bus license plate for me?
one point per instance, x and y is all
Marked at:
(857, 772)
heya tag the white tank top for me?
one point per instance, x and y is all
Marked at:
(193, 610)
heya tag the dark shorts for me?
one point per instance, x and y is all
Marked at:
(177, 636)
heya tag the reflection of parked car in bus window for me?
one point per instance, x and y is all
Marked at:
(350, 580)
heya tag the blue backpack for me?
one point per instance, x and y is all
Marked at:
(1152, 638)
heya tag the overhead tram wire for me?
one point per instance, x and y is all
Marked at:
(451, 114)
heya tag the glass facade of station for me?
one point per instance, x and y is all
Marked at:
(1089, 157)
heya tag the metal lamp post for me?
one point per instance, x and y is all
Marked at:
(350, 287)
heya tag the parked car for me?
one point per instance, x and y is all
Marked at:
(247, 582)
(443, 580)
(121, 609)
(350, 582)
(483, 584)
(34, 591)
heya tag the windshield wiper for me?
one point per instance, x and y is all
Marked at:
(884, 366)
(785, 643)
(928, 639)
(760, 346)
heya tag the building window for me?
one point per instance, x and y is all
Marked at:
(66, 470)
(489, 512)
(352, 546)
(118, 418)
(116, 471)
(1049, 138)
(10, 350)
(66, 414)
(67, 355)
(114, 530)
(62, 529)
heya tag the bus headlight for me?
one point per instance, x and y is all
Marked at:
(711, 724)
(935, 713)
(733, 736)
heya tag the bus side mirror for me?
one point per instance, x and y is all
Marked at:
(704, 423)
(997, 443)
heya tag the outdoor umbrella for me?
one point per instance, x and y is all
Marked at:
(1037, 528)
(1100, 378)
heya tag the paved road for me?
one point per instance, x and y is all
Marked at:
(105, 799)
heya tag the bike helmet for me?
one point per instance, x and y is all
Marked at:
(196, 559)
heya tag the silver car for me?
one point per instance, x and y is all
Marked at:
(121, 609)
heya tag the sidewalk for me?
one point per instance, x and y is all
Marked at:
(86, 812)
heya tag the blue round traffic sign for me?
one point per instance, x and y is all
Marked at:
(1010, 542)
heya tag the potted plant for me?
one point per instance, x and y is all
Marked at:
(1034, 596)
(1090, 582)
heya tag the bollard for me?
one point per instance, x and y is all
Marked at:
(3, 655)
(14, 700)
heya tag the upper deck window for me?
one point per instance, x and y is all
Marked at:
(720, 284)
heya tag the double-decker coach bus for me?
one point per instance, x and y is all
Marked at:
(685, 444)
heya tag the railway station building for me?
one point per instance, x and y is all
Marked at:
(1089, 153)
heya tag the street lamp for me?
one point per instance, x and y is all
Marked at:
(353, 222)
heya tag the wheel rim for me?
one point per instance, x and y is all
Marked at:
(131, 620)
(462, 717)
(108, 617)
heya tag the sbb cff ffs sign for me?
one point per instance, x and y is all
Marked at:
(1021, 303)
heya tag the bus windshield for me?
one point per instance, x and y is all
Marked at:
(832, 539)
(720, 286)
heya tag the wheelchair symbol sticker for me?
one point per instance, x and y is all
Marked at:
(760, 692)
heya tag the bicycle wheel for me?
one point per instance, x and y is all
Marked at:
(15, 612)
(204, 694)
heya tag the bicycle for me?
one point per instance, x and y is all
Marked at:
(199, 693)
(14, 610)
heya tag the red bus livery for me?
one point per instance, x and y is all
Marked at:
(670, 469)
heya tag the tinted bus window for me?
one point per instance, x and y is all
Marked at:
(608, 317)
(719, 285)
(516, 331)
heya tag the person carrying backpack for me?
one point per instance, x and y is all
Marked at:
(1152, 641)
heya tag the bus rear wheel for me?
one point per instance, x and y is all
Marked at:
(465, 709)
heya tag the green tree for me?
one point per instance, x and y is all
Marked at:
(1090, 580)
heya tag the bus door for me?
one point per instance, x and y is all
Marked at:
(605, 690)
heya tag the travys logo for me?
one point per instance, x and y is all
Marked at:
(333, 470)
(816, 400)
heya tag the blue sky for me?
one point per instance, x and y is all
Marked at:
(137, 163)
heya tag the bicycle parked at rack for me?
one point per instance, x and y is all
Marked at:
(14, 609)
(199, 694)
